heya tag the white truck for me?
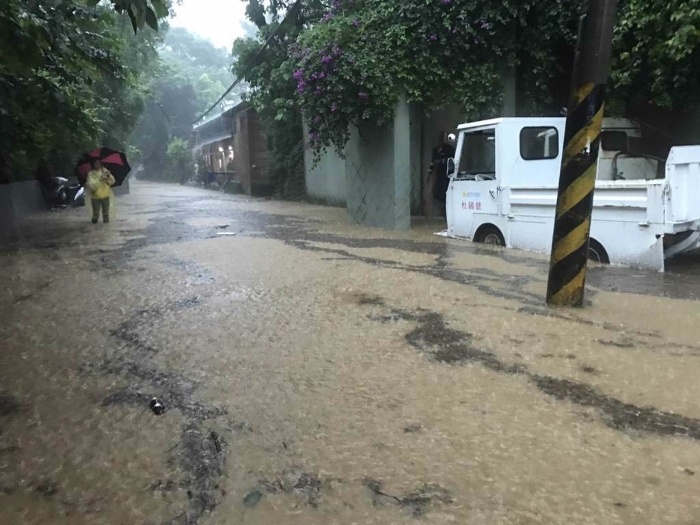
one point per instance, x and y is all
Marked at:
(503, 190)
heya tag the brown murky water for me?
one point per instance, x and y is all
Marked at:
(315, 372)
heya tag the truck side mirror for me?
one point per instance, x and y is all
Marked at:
(451, 168)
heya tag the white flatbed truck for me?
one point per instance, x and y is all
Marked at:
(504, 180)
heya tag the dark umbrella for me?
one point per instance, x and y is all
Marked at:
(114, 161)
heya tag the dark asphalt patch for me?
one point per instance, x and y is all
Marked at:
(392, 317)
(370, 300)
(176, 391)
(417, 502)
(24, 297)
(500, 286)
(9, 405)
(129, 331)
(126, 397)
(47, 488)
(164, 486)
(200, 455)
(296, 481)
(447, 345)
(205, 467)
(621, 343)
(200, 451)
(616, 414)
(196, 273)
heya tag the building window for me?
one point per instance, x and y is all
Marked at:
(539, 143)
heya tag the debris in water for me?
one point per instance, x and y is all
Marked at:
(161, 486)
(365, 299)
(252, 499)
(417, 501)
(290, 478)
(296, 481)
(222, 226)
(47, 488)
(216, 440)
(157, 407)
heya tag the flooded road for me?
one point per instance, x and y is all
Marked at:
(319, 373)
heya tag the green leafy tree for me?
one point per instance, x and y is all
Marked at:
(140, 12)
(191, 75)
(355, 63)
(269, 72)
(656, 58)
(179, 159)
(69, 80)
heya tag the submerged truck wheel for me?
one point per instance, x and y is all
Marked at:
(597, 253)
(490, 235)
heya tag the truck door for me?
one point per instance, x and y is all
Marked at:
(474, 189)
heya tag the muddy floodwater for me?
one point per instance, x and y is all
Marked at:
(314, 372)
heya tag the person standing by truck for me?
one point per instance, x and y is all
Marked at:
(438, 175)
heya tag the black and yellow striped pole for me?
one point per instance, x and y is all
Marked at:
(572, 223)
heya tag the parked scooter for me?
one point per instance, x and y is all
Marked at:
(79, 199)
(60, 192)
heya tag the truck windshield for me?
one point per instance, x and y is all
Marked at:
(478, 153)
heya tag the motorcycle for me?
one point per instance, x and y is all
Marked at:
(60, 192)
(79, 199)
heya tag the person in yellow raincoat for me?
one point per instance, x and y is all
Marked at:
(98, 189)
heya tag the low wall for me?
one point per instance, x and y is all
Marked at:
(19, 200)
(325, 179)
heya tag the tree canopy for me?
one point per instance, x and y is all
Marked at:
(190, 76)
(268, 70)
(70, 78)
(356, 61)
(349, 60)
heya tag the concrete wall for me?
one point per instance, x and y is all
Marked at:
(325, 179)
(379, 179)
(385, 167)
(18, 200)
(369, 174)
(378, 169)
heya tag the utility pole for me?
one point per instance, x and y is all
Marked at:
(572, 223)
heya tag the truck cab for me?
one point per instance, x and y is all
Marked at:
(504, 180)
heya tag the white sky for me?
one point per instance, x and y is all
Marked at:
(218, 20)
